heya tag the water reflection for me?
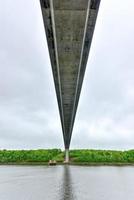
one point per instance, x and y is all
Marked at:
(66, 189)
(66, 183)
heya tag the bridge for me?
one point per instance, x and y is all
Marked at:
(69, 26)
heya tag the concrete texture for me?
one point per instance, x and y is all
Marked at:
(69, 26)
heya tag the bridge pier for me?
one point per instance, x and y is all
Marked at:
(66, 155)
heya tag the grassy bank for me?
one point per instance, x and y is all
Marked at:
(102, 157)
(40, 156)
(79, 157)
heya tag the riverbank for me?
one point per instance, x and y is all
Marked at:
(77, 157)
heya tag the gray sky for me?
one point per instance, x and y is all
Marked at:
(29, 116)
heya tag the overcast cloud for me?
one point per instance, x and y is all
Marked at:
(29, 116)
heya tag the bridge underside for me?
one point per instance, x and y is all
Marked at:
(69, 26)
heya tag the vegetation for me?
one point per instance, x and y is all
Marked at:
(28, 156)
(102, 156)
(89, 157)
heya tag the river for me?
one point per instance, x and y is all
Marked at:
(66, 183)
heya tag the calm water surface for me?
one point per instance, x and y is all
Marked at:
(66, 183)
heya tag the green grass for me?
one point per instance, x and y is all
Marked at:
(102, 156)
(28, 156)
(83, 156)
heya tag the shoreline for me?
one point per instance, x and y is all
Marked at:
(92, 164)
(79, 157)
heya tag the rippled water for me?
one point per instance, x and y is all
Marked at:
(66, 183)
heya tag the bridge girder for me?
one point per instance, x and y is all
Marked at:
(69, 26)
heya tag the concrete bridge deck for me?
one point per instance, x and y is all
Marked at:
(69, 26)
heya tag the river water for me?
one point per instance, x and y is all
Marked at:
(66, 183)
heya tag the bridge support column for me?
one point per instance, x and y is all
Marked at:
(66, 155)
